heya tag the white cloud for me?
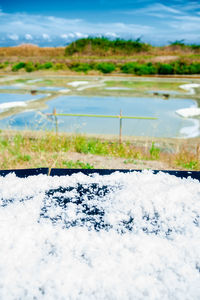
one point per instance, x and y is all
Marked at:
(154, 8)
(13, 37)
(163, 8)
(45, 36)
(73, 35)
(80, 35)
(186, 24)
(111, 34)
(188, 18)
(42, 29)
(52, 26)
(64, 36)
(28, 37)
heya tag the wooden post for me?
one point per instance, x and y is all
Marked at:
(120, 127)
(56, 120)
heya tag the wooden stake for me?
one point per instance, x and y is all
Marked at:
(56, 120)
(120, 127)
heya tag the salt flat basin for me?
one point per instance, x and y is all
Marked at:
(165, 92)
(169, 124)
(52, 88)
(10, 87)
(119, 236)
(8, 101)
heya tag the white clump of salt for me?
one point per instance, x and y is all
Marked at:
(191, 131)
(117, 88)
(8, 105)
(157, 258)
(190, 87)
(77, 83)
(64, 91)
(188, 112)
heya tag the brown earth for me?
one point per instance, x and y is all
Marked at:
(104, 162)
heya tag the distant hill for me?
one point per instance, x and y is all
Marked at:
(102, 46)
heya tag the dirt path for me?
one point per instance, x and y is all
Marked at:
(102, 162)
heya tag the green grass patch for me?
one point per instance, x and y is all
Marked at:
(77, 165)
(146, 85)
(48, 149)
(154, 152)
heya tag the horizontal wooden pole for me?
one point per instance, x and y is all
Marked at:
(102, 116)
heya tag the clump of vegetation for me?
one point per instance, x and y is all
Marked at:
(29, 67)
(103, 46)
(188, 160)
(77, 165)
(165, 69)
(45, 66)
(18, 66)
(178, 67)
(139, 69)
(21, 151)
(59, 66)
(81, 67)
(180, 45)
(106, 67)
(154, 152)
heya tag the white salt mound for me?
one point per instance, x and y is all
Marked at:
(8, 105)
(188, 112)
(121, 236)
(191, 131)
(77, 83)
(190, 87)
(117, 88)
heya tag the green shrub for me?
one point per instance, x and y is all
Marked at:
(45, 66)
(128, 68)
(18, 66)
(178, 43)
(181, 68)
(81, 67)
(139, 69)
(165, 69)
(29, 67)
(106, 67)
(145, 69)
(59, 66)
(194, 68)
(195, 47)
(154, 151)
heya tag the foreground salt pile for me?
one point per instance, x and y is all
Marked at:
(122, 236)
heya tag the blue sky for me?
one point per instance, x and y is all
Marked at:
(58, 22)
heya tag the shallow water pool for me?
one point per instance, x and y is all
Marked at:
(168, 124)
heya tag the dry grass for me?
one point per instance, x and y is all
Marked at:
(33, 150)
(28, 50)
(57, 54)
